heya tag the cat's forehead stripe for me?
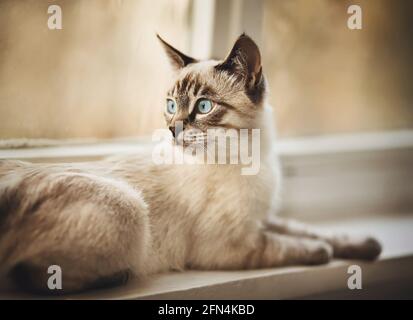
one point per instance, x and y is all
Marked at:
(197, 86)
(183, 86)
(191, 84)
(207, 91)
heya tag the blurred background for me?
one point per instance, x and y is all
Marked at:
(342, 99)
(103, 75)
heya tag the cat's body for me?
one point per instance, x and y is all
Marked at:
(100, 220)
(171, 230)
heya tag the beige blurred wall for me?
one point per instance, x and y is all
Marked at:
(103, 75)
(325, 78)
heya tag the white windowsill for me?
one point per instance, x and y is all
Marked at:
(395, 267)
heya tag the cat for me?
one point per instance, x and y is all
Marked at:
(101, 221)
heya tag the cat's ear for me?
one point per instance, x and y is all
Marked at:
(177, 58)
(244, 60)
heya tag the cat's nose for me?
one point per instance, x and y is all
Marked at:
(176, 130)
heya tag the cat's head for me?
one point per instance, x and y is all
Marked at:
(214, 94)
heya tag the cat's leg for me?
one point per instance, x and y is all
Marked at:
(255, 248)
(95, 229)
(344, 246)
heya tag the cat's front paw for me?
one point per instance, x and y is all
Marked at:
(363, 248)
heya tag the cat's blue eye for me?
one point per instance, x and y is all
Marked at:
(171, 106)
(204, 106)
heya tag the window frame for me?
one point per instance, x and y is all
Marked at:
(210, 18)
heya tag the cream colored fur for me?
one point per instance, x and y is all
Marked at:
(103, 219)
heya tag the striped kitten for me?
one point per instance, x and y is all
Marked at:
(100, 221)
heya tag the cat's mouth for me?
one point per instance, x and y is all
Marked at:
(188, 138)
(190, 143)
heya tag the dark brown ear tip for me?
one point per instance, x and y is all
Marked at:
(245, 37)
(163, 42)
(160, 38)
(247, 41)
(248, 49)
(177, 58)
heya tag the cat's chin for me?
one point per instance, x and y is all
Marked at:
(190, 144)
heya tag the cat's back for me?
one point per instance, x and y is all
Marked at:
(26, 187)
